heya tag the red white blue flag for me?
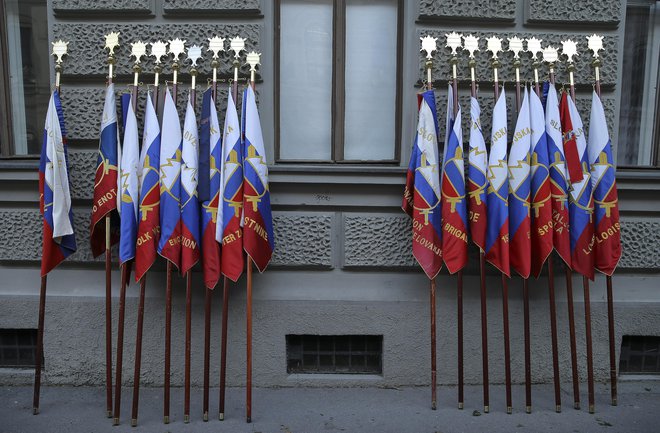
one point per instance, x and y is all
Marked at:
(229, 231)
(189, 203)
(421, 196)
(606, 203)
(580, 200)
(541, 212)
(454, 206)
(210, 141)
(497, 234)
(107, 172)
(169, 245)
(258, 239)
(477, 184)
(59, 240)
(128, 188)
(520, 242)
(149, 214)
(558, 178)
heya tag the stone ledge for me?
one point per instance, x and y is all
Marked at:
(604, 12)
(77, 7)
(501, 10)
(233, 7)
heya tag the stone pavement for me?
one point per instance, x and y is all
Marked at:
(306, 410)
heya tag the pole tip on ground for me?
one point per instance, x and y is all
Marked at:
(134, 422)
(108, 414)
(614, 402)
(434, 405)
(509, 410)
(186, 419)
(576, 405)
(486, 409)
(221, 416)
(460, 405)
(528, 409)
(558, 408)
(35, 411)
(115, 421)
(166, 420)
(592, 409)
(248, 420)
(205, 418)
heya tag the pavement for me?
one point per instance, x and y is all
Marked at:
(307, 410)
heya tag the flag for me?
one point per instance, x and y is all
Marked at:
(558, 178)
(210, 142)
(421, 195)
(571, 151)
(189, 203)
(105, 199)
(229, 231)
(258, 239)
(541, 211)
(454, 207)
(149, 223)
(59, 240)
(520, 242)
(497, 232)
(128, 188)
(606, 203)
(580, 198)
(477, 181)
(169, 245)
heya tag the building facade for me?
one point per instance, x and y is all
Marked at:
(337, 96)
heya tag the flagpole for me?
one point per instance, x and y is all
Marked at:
(608, 278)
(495, 63)
(120, 341)
(515, 45)
(569, 299)
(472, 63)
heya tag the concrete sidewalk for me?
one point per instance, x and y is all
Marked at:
(305, 410)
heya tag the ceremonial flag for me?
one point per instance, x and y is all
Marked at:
(571, 151)
(606, 203)
(497, 233)
(454, 207)
(169, 245)
(189, 203)
(59, 240)
(541, 212)
(580, 200)
(149, 223)
(107, 172)
(520, 243)
(421, 196)
(258, 239)
(210, 142)
(558, 178)
(128, 188)
(477, 181)
(229, 231)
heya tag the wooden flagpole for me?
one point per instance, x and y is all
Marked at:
(125, 270)
(223, 347)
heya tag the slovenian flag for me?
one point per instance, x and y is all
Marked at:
(128, 188)
(497, 234)
(107, 172)
(606, 203)
(149, 213)
(189, 203)
(558, 178)
(421, 196)
(229, 230)
(210, 142)
(454, 207)
(258, 239)
(59, 240)
(170, 184)
(520, 244)
(580, 202)
(477, 181)
(541, 200)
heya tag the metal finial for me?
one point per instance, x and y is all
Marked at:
(429, 44)
(59, 50)
(158, 50)
(471, 45)
(216, 44)
(237, 44)
(253, 59)
(595, 44)
(138, 50)
(454, 41)
(550, 54)
(516, 45)
(569, 48)
(112, 42)
(494, 45)
(177, 47)
(534, 47)
(194, 53)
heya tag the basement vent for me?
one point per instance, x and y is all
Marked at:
(640, 354)
(18, 347)
(338, 354)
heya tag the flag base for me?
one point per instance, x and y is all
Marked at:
(509, 410)
(434, 405)
(614, 402)
(221, 416)
(248, 420)
(166, 420)
(486, 409)
(108, 414)
(460, 406)
(592, 409)
(576, 405)
(186, 419)
(558, 408)
(205, 418)
(35, 410)
(115, 421)
(528, 409)
(134, 422)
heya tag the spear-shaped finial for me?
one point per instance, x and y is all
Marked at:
(429, 44)
(59, 51)
(111, 42)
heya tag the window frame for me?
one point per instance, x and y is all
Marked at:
(338, 105)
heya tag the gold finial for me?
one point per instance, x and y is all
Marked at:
(454, 41)
(216, 44)
(471, 45)
(59, 50)
(158, 50)
(112, 42)
(429, 44)
(177, 47)
(516, 46)
(138, 50)
(237, 44)
(494, 45)
(595, 44)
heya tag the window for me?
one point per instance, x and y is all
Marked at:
(338, 86)
(639, 123)
(640, 354)
(354, 354)
(24, 75)
(18, 347)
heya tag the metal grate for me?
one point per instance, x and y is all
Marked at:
(340, 354)
(640, 354)
(18, 347)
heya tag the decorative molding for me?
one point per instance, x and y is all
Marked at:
(243, 7)
(607, 12)
(70, 7)
(302, 240)
(500, 10)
